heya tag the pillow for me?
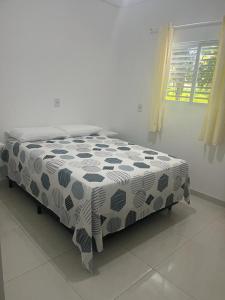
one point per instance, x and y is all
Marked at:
(80, 130)
(108, 133)
(31, 134)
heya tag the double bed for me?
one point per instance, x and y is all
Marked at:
(95, 184)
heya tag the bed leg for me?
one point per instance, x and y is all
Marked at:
(94, 246)
(170, 208)
(39, 209)
(10, 183)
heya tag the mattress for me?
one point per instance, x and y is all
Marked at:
(95, 184)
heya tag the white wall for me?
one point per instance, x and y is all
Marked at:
(135, 53)
(55, 49)
(98, 60)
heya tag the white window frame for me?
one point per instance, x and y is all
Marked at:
(199, 45)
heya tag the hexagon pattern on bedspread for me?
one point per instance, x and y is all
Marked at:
(95, 184)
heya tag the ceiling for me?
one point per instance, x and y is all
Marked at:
(124, 3)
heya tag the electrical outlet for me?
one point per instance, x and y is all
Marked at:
(139, 107)
(57, 102)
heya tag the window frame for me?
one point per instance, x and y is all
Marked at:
(199, 44)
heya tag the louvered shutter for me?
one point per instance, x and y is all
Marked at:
(191, 71)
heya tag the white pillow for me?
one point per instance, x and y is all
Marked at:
(80, 130)
(31, 134)
(108, 133)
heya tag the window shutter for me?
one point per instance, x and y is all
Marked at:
(191, 71)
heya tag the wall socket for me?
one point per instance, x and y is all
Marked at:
(57, 102)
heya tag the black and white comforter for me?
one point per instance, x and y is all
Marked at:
(95, 184)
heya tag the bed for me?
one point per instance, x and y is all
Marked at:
(96, 185)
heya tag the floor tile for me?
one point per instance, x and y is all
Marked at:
(21, 205)
(45, 230)
(205, 207)
(198, 268)
(212, 236)
(153, 286)
(221, 220)
(3, 186)
(7, 222)
(193, 225)
(116, 269)
(203, 214)
(43, 283)
(153, 227)
(159, 235)
(50, 235)
(186, 247)
(156, 249)
(19, 254)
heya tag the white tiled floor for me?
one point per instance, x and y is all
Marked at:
(168, 256)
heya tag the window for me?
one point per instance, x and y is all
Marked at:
(191, 71)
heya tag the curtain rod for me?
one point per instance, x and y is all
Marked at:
(197, 24)
(155, 30)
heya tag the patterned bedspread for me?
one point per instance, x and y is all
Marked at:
(95, 184)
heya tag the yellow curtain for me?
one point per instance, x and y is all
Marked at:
(213, 130)
(161, 73)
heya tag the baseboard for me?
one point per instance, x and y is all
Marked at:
(208, 197)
